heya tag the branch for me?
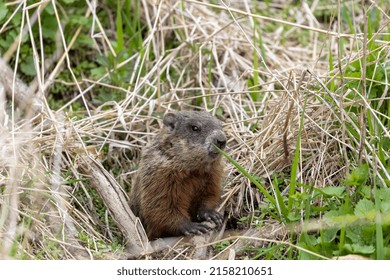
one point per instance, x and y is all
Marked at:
(114, 199)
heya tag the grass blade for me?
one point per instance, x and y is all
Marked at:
(250, 177)
(295, 163)
(119, 28)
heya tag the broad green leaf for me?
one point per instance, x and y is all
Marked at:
(328, 235)
(333, 191)
(384, 194)
(358, 176)
(354, 234)
(360, 249)
(28, 67)
(104, 61)
(3, 11)
(385, 207)
(364, 208)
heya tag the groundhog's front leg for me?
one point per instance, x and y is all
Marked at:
(166, 220)
(209, 200)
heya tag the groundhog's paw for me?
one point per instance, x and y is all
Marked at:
(210, 215)
(191, 228)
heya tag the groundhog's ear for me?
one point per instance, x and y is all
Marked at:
(170, 121)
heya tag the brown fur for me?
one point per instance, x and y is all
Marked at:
(180, 176)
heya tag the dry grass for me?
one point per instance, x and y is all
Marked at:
(48, 209)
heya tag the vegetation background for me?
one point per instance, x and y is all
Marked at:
(302, 88)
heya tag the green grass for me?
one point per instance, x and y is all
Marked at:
(352, 217)
(343, 224)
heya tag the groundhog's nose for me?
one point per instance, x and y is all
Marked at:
(220, 141)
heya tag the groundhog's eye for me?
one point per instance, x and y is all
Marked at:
(195, 128)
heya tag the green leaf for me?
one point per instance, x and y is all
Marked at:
(328, 235)
(360, 249)
(385, 142)
(78, 20)
(69, 1)
(293, 217)
(310, 243)
(363, 234)
(358, 176)
(219, 112)
(333, 191)
(104, 61)
(309, 240)
(365, 208)
(332, 213)
(119, 27)
(3, 11)
(49, 27)
(49, 9)
(98, 72)
(384, 194)
(28, 67)
(384, 200)
(385, 207)
(6, 41)
(365, 191)
(279, 199)
(354, 234)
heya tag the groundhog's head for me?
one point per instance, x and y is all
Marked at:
(194, 135)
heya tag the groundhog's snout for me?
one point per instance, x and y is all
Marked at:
(220, 141)
(217, 138)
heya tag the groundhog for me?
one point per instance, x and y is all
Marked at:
(178, 184)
